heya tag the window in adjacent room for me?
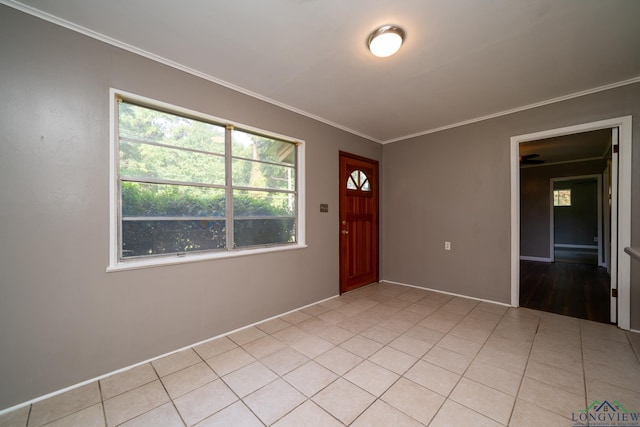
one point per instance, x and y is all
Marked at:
(188, 184)
(562, 197)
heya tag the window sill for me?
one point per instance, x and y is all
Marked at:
(189, 258)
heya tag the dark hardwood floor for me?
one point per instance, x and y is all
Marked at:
(571, 289)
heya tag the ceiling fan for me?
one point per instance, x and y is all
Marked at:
(530, 159)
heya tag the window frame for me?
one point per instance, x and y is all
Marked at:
(116, 263)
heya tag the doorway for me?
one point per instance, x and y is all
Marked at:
(620, 211)
(358, 227)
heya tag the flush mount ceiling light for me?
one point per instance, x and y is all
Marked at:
(386, 40)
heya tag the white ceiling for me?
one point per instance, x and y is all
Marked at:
(463, 60)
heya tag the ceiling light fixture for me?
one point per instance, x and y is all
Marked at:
(386, 40)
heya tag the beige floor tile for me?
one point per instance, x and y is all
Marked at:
(393, 360)
(494, 377)
(188, 379)
(203, 402)
(441, 323)
(380, 334)
(556, 377)
(600, 390)
(310, 378)
(621, 375)
(423, 333)
(596, 331)
(165, 416)
(127, 380)
(557, 359)
(92, 416)
(412, 346)
(314, 325)
(634, 339)
(381, 414)
(285, 360)
(485, 400)
(460, 345)
(409, 316)
(354, 325)
(453, 414)
(246, 335)
(249, 378)
(433, 377)
(333, 303)
(526, 414)
(343, 400)
(308, 415)
(397, 324)
(363, 347)
(273, 325)
(471, 332)
(335, 334)
(371, 377)
(316, 309)
(519, 347)
(421, 309)
(560, 343)
(455, 362)
(235, 415)
(15, 418)
(509, 361)
(551, 398)
(609, 351)
(273, 401)
(126, 406)
(263, 347)
(291, 335)
(312, 346)
(176, 361)
(296, 317)
(333, 316)
(414, 400)
(230, 361)
(338, 360)
(64, 404)
(215, 347)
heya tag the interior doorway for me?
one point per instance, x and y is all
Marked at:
(619, 297)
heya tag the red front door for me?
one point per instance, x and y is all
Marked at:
(358, 221)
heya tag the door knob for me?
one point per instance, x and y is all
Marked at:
(345, 232)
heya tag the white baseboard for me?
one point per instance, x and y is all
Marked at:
(570, 246)
(535, 258)
(445, 292)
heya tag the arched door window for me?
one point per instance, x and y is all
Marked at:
(358, 180)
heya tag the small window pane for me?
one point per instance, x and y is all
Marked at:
(155, 200)
(255, 147)
(146, 124)
(141, 238)
(562, 197)
(366, 186)
(351, 185)
(263, 231)
(247, 173)
(263, 204)
(150, 161)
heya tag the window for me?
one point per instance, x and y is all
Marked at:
(187, 184)
(358, 180)
(562, 197)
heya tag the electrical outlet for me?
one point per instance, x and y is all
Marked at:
(447, 246)
(595, 239)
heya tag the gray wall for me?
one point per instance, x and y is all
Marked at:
(63, 319)
(454, 185)
(577, 224)
(535, 202)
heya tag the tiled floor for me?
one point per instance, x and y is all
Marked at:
(384, 355)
